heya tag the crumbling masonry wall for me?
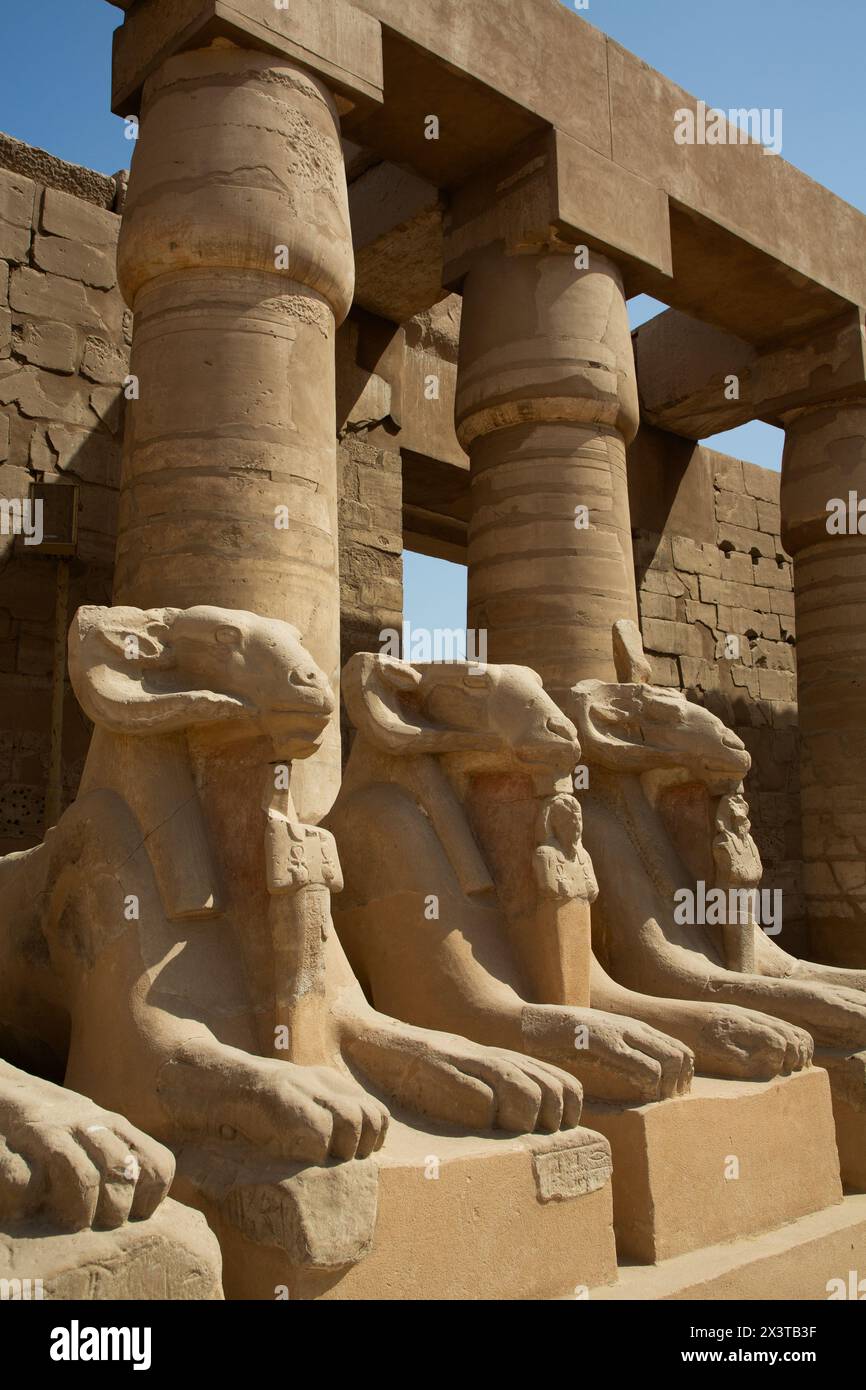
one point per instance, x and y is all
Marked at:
(64, 335)
(717, 616)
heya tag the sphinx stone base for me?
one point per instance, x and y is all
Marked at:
(848, 1089)
(851, 1141)
(796, 1263)
(447, 1217)
(172, 1255)
(731, 1159)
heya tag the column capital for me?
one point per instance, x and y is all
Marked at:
(824, 459)
(261, 189)
(339, 43)
(544, 341)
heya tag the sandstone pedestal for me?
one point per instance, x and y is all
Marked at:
(455, 1217)
(172, 1255)
(848, 1089)
(793, 1264)
(674, 1163)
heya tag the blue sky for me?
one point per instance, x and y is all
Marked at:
(803, 57)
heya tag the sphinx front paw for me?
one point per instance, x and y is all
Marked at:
(459, 1082)
(742, 1044)
(309, 1114)
(65, 1159)
(616, 1058)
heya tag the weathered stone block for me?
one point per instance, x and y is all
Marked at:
(88, 454)
(700, 674)
(774, 575)
(66, 216)
(762, 483)
(107, 402)
(732, 594)
(777, 656)
(48, 344)
(105, 363)
(75, 260)
(17, 197)
(738, 568)
(705, 613)
(768, 517)
(694, 558)
(744, 539)
(40, 395)
(777, 685)
(14, 242)
(173, 1255)
(737, 508)
(660, 606)
(51, 297)
(19, 446)
(664, 671)
(748, 620)
(676, 638)
(782, 602)
(662, 582)
(655, 552)
(729, 474)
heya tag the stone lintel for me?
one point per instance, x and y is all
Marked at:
(553, 190)
(684, 370)
(337, 42)
(397, 237)
(750, 232)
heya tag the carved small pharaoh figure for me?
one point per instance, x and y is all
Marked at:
(563, 869)
(738, 872)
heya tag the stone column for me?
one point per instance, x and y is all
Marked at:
(546, 404)
(236, 256)
(825, 458)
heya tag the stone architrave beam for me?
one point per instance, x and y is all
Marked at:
(696, 380)
(336, 41)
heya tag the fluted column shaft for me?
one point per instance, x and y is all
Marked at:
(236, 257)
(546, 403)
(825, 461)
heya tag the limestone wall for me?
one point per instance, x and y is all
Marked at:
(64, 336)
(717, 615)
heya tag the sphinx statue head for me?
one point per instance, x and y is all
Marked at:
(496, 718)
(632, 726)
(163, 670)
